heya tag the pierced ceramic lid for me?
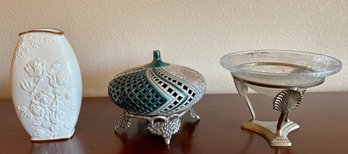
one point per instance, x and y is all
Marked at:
(157, 88)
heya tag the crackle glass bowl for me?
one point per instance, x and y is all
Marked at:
(280, 68)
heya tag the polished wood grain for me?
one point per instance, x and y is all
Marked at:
(322, 118)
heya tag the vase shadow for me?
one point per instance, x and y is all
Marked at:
(72, 145)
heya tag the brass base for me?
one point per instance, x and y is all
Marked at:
(267, 129)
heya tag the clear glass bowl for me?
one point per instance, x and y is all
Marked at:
(281, 67)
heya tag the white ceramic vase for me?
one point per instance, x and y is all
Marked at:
(46, 84)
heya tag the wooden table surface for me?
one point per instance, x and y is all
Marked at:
(322, 118)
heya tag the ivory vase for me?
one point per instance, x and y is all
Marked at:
(46, 84)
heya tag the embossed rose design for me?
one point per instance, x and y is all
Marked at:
(39, 133)
(36, 41)
(36, 109)
(59, 80)
(36, 69)
(45, 108)
(40, 102)
(43, 98)
(42, 134)
(30, 40)
(55, 126)
(62, 84)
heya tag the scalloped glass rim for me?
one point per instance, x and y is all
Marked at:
(335, 64)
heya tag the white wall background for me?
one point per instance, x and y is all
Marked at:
(111, 36)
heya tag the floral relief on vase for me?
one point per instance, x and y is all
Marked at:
(30, 40)
(50, 91)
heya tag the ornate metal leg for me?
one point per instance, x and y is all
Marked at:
(287, 118)
(300, 91)
(193, 114)
(274, 131)
(285, 102)
(124, 121)
(242, 89)
(166, 127)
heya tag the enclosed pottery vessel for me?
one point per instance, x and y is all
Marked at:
(157, 88)
(46, 84)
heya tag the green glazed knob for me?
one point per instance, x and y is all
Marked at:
(157, 62)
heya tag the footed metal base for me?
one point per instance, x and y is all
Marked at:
(165, 126)
(286, 100)
(268, 130)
